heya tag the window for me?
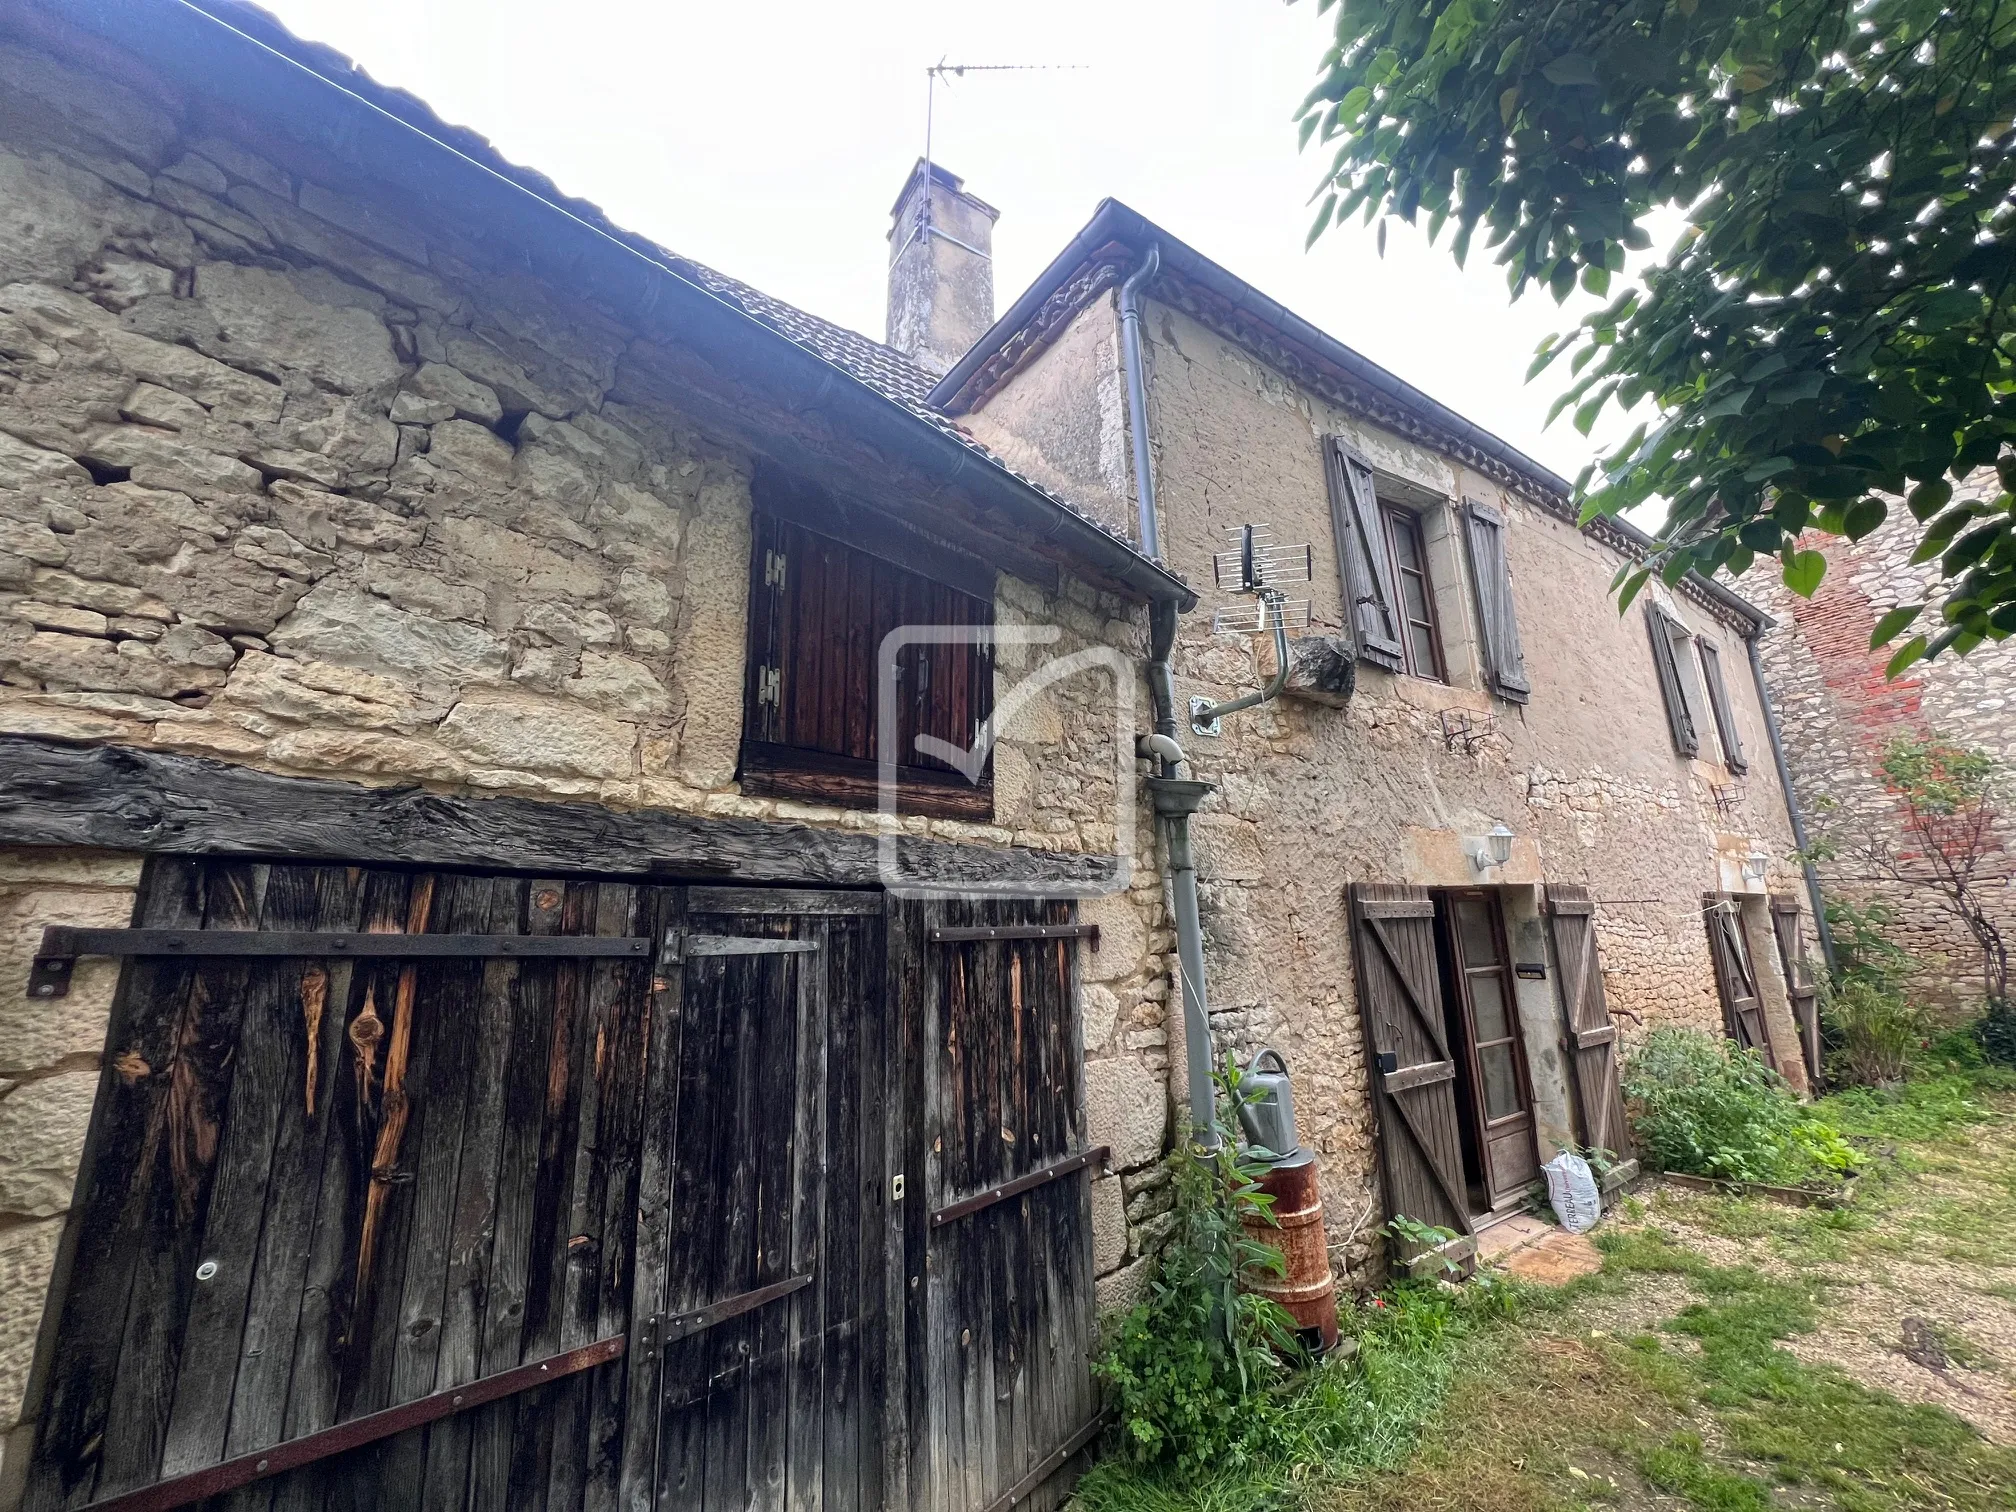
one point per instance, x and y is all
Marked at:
(1421, 639)
(818, 611)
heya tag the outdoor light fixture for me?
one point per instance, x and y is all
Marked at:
(1495, 849)
(1755, 865)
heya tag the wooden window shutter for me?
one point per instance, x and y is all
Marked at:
(1364, 555)
(1725, 716)
(1504, 661)
(1667, 636)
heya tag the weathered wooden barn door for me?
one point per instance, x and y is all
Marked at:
(1599, 1091)
(1412, 1074)
(998, 1249)
(321, 1183)
(760, 1350)
(1787, 924)
(1736, 976)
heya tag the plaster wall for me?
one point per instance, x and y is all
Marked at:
(1839, 711)
(1313, 798)
(295, 477)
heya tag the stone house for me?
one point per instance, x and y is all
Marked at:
(1840, 712)
(470, 905)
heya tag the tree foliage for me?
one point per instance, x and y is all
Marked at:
(1833, 328)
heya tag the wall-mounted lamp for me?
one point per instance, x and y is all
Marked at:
(1495, 849)
(1755, 866)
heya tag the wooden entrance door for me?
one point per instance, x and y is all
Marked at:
(1736, 977)
(1598, 1080)
(997, 1249)
(760, 1351)
(1413, 1075)
(319, 1187)
(1501, 1099)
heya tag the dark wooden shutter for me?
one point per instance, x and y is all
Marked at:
(1412, 1075)
(1364, 555)
(1504, 661)
(1786, 924)
(1592, 1037)
(1718, 701)
(1668, 637)
(1736, 977)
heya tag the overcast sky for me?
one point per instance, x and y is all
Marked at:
(769, 140)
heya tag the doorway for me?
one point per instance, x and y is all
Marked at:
(1494, 1095)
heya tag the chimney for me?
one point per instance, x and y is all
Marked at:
(941, 268)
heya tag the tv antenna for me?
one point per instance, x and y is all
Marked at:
(941, 70)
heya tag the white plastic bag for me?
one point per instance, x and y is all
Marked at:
(1572, 1189)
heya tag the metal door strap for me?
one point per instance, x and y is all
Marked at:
(961, 933)
(62, 944)
(1048, 1466)
(967, 1206)
(261, 1464)
(660, 1329)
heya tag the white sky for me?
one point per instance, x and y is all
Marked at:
(769, 140)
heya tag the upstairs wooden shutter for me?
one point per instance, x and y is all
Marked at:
(1669, 638)
(1718, 701)
(1364, 555)
(1504, 661)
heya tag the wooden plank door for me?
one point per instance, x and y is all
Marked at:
(1787, 926)
(1001, 1397)
(315, 1188)
(1599, 1094)
(1412, 1074)
(1501, 1094)
(1736, 977)
(760, 1345)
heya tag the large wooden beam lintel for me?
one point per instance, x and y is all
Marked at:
(126, 798)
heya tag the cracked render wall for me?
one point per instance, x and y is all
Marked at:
(1838, 712)
(292, 477)
(1312, 798)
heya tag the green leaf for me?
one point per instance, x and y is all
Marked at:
(1730, 403)
(1570, 69)
(1909, 652)
(1862, 517)
(1892, 624)
(1803, 571)
(1633, 586)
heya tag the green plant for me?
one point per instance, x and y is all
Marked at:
(1189, 1366)
(1863, 949)
(1704, 1107)
(1832, 325)
(1995, 1032)
(1416, 1241)
(1878, 1033)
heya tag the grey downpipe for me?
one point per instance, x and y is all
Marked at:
(1137, 397)
(1791, 804)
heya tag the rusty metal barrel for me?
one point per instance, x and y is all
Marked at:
(1307, 1290)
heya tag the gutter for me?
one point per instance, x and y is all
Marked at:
(1798, 819)
(210, 57)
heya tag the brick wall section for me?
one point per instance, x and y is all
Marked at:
(1838, 711)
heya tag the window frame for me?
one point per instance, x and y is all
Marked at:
(1396, 519)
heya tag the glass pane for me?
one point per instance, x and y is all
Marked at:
(1424, 650)
(1501, 1082)
(1406, 542)
(1487, 1005)
(1413, 595)
(1479, 939)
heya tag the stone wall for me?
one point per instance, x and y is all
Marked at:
(293, 476)
(1313, 798)
(1838, 712)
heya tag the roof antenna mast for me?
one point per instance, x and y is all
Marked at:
(947, 72)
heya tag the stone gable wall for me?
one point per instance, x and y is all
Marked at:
(293, 477)
(1839, 711)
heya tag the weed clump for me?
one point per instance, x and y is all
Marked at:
(1704, 1107)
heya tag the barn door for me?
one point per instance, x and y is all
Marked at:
(1787, 927)
(1593, 1038)
(323, 1184)
(1002, 1331)
(1736, 977)
(759, 1348)
(1413, 1076)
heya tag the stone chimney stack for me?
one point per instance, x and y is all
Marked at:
(941, 269)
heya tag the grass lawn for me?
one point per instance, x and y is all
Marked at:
(1732, 1354)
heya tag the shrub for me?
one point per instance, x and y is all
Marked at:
(1189, 1366)
(1863, 949)
(1995, 1031)
(1877, 1031)
(1704, 1107)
